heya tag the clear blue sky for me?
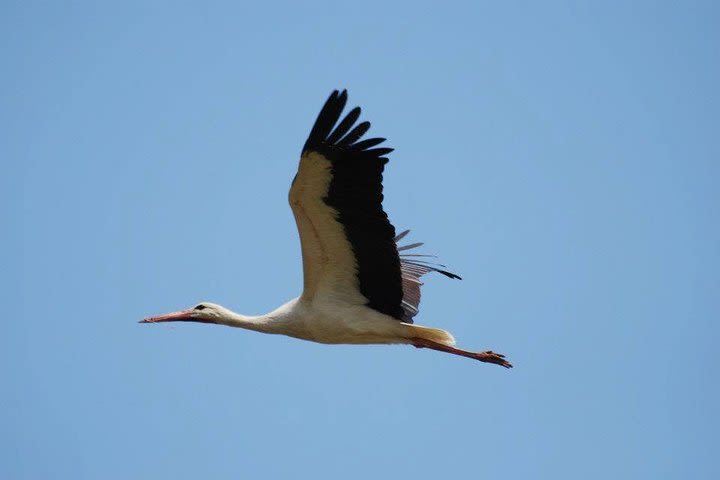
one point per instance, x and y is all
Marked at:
(563, 158)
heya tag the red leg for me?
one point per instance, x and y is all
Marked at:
(487, 357)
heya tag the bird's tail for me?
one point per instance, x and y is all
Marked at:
(433, 334)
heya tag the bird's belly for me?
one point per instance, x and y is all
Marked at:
(353, 326)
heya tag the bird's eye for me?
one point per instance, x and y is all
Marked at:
(200, 307)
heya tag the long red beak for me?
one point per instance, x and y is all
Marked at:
(181, 316)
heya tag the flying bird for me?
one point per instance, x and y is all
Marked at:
(360, 286)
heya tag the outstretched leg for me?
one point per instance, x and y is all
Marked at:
(488, 357)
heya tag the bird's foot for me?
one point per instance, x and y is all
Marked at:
(492, 357)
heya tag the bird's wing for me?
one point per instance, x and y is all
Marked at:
(348, 247)
(413, 267)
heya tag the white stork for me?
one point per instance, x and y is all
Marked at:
(358, 288)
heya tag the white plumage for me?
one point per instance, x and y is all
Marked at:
(358, 288)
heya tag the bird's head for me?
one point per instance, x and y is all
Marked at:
(204, 312)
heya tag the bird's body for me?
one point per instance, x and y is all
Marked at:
(358, 287)
(327, 321)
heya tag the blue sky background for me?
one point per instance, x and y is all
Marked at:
(562, 157)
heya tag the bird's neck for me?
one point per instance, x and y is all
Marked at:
(259, 323)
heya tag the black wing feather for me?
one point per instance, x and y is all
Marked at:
(354, 135)
(412, 270)
(344, 126)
